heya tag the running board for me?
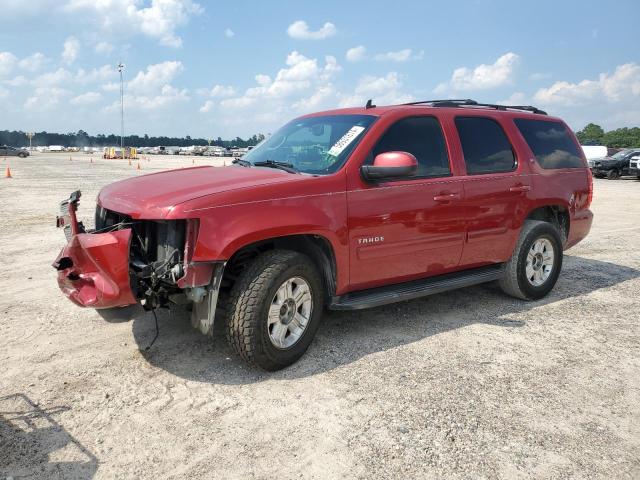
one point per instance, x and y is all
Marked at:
(375, 297)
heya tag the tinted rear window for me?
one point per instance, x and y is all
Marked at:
(551, 143)
(485, 145)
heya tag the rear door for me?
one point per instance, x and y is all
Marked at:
(495, 190)
(410, 228)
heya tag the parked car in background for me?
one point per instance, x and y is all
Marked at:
(7, 151)
(634, 166)
(615, 166)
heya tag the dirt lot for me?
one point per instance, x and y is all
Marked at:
(468, 384)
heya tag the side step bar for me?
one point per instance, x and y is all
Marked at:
(415, 289)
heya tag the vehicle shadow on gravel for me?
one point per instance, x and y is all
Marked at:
(31, 439)
(345, 337)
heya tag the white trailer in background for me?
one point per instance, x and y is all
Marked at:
(55, 148)
(594, 151)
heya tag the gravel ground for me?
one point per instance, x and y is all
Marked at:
(467, 384)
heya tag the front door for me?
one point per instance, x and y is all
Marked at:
(410, 228)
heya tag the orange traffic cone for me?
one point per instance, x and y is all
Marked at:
(69, 157)
(193, 161)
(91, 160)
(7, 174)
(129, 162)
(138, 167)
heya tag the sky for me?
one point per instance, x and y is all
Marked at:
(224, 69)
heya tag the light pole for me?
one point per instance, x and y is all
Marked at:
(120, 69)
(30, 135)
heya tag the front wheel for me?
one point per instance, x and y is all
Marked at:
(22, 155)
(534, 267)
(613, 174)
(274, 309)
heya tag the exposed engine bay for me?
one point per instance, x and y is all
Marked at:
(156, 256)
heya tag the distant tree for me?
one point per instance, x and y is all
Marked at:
(592, 134)
(83, 139)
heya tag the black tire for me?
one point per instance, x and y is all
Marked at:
(247, 308)
(515, 281)
(613, 174)
(638, 177)
(22, 155)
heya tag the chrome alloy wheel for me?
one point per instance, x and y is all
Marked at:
(289, 312)
(539, 262)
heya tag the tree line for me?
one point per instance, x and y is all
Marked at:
(83, 139)
(594, 134)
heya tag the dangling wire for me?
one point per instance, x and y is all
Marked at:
(157, 330)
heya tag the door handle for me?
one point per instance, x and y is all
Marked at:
(520, 189)
(446, 197)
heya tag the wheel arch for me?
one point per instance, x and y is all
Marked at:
(556, 214)
(317, 247)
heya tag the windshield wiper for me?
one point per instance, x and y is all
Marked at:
(239, 161)
(286, 166)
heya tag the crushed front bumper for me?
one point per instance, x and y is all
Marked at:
(93, 268)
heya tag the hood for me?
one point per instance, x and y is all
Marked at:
(154, 195)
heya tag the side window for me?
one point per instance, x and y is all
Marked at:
(485, 146)
(551, 143)
(423, 138)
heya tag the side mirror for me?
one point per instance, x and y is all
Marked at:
(390, 165)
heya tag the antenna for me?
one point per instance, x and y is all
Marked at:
(120, 69)
(369, 104)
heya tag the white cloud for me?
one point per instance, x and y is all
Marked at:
(611, 100)
(151, 89)
(7, 63)
(207, 107)
(483, 76)
(33, 62)
(18, 81)
(516, 98)
(400, 56)
(101, 74)
(88, 98)
(70, 50)
(300, 31)
(623, 84)
(46, 97)
(104, 48)
(57, 77)
(159, 20)
(220, 91)
(536, 77)
(386, 90)
(356, 54)
(156, 75)
(229, 33)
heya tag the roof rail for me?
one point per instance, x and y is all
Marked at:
(472, 103)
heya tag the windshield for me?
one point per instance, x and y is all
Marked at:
(315, 145)
(621, 154)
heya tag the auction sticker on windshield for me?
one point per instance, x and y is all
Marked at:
(346, 140)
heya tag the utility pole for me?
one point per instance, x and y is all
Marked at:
(30, 135)
(120, 69)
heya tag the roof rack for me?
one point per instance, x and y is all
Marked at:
(467, 102)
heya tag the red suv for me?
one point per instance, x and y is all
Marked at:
(344, 209)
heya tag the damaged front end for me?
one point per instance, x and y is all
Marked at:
(124, 261)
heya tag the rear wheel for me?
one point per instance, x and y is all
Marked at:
(274, 309)
(534, 267)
